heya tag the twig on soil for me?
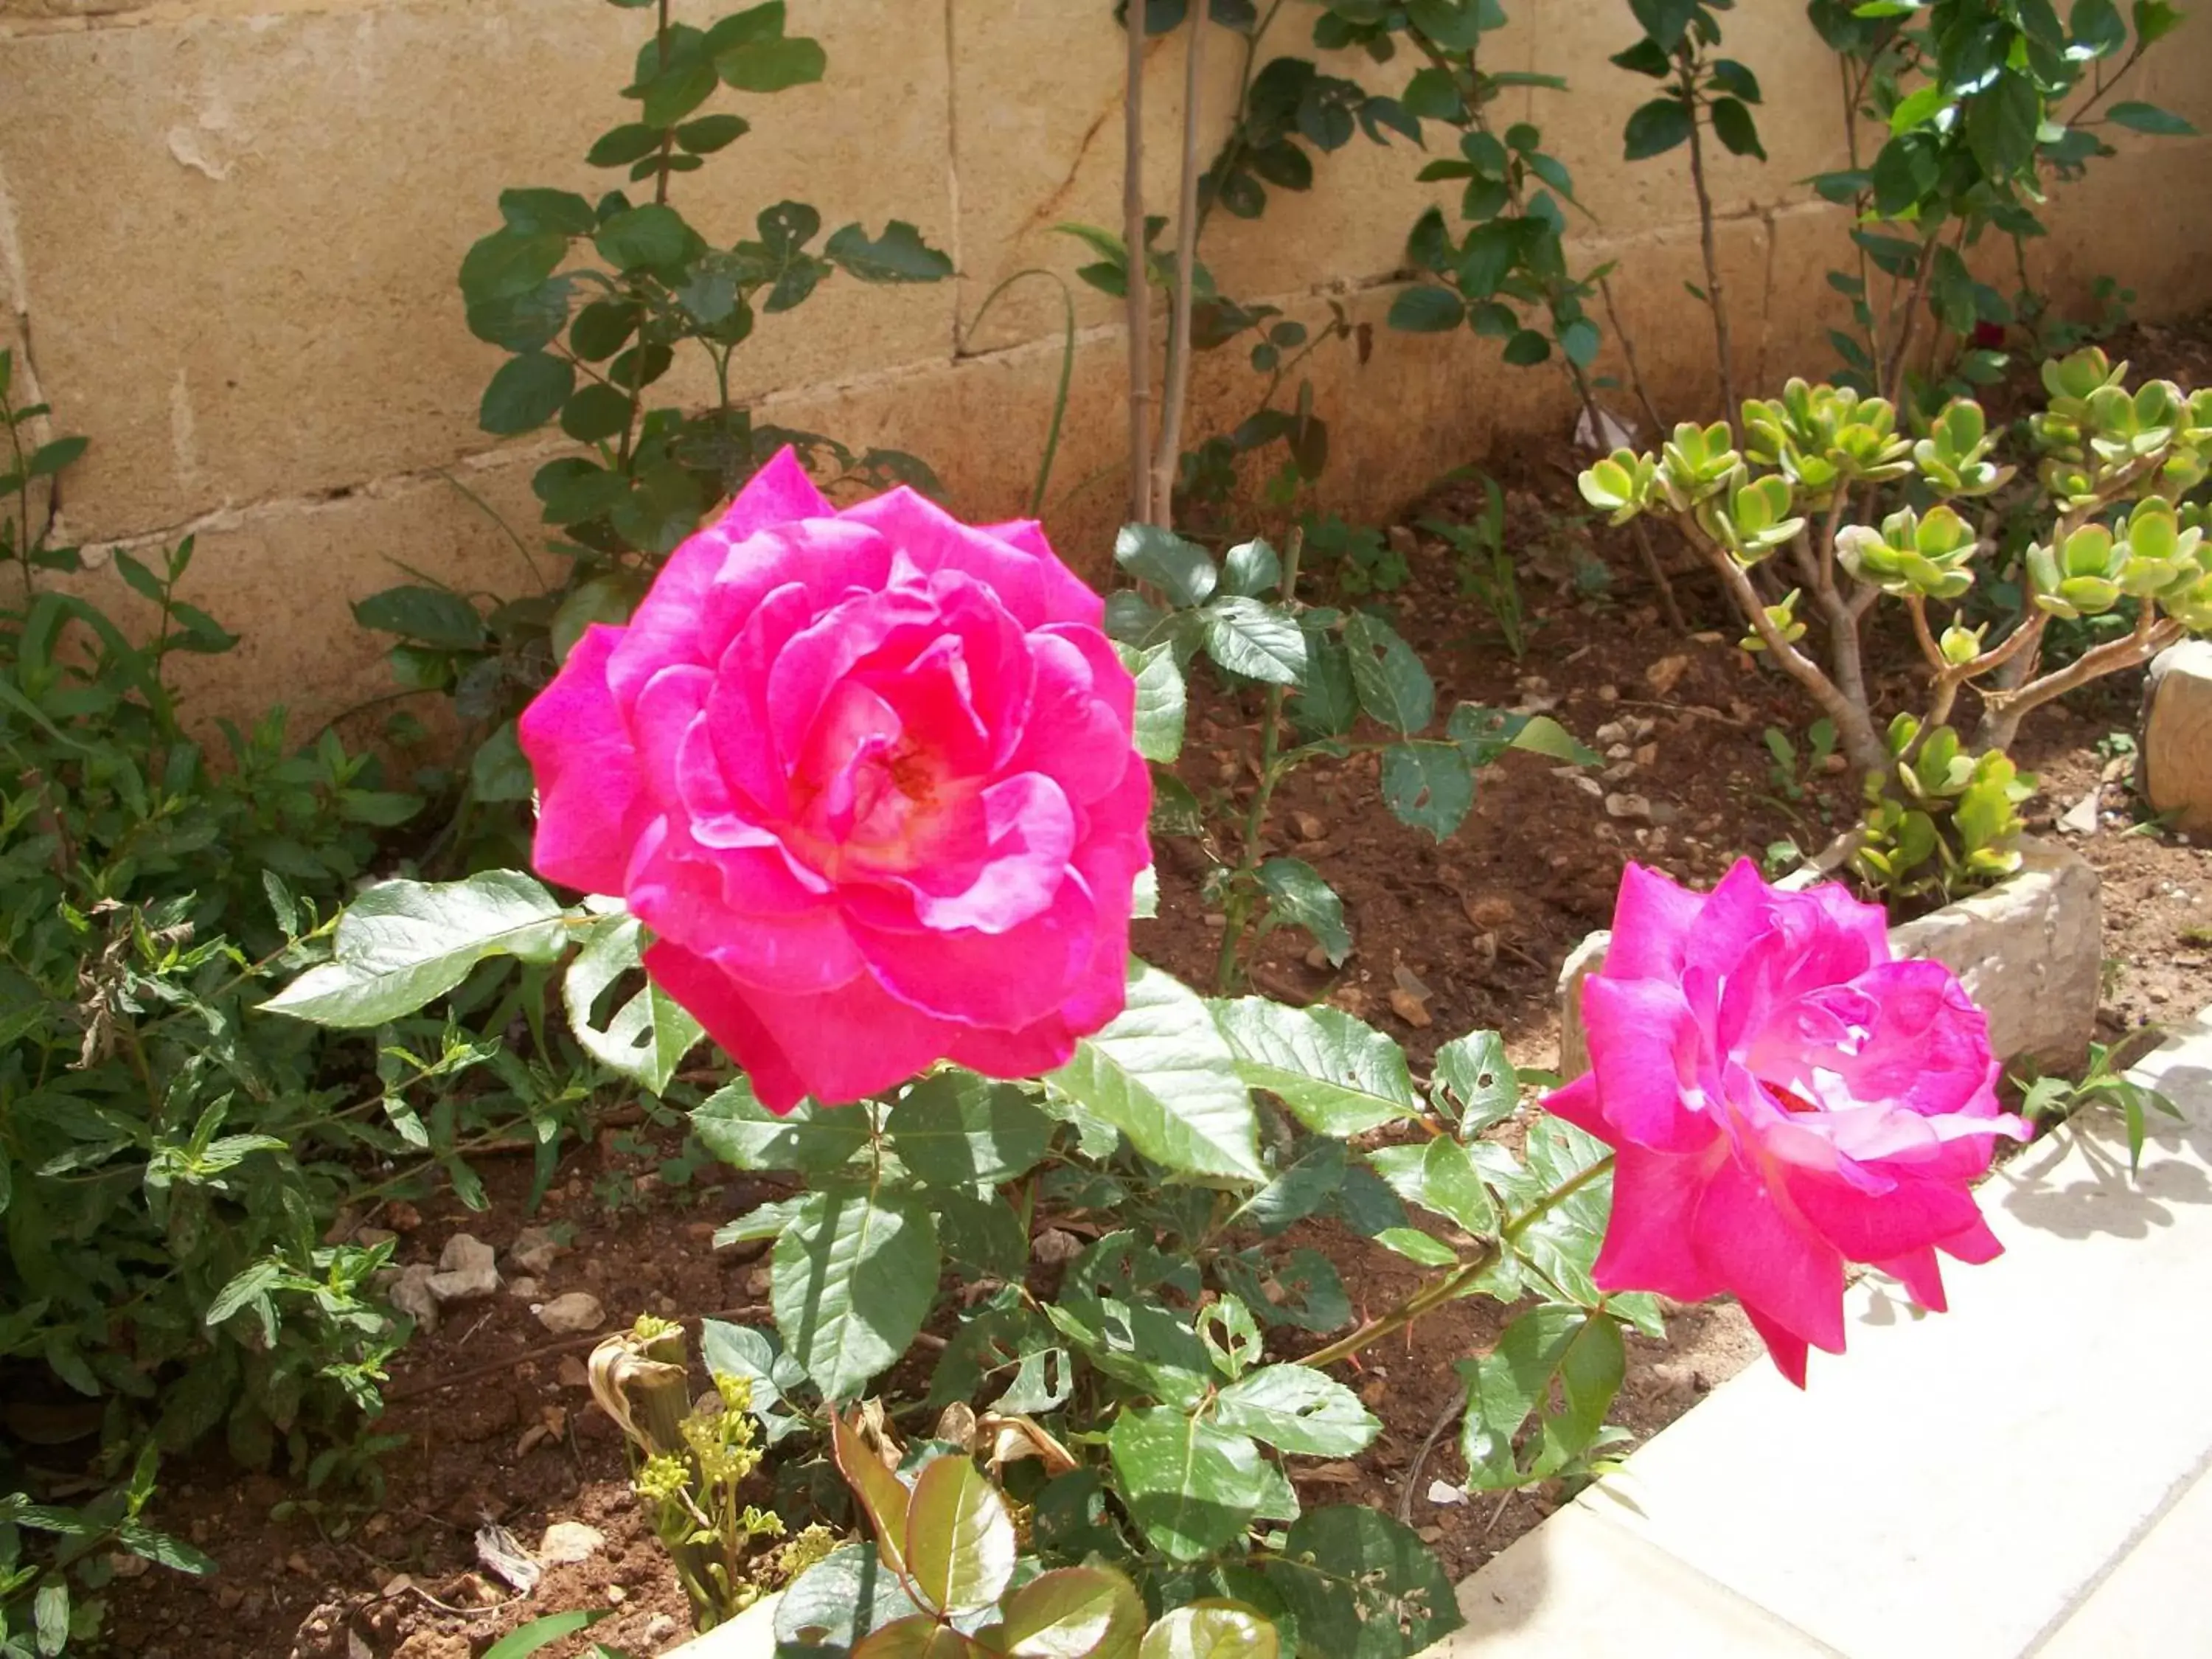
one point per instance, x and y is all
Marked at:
(1453, 1407)
(565, 1344)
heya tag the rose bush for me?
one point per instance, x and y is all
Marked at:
(1783, 1098)
(868, 776)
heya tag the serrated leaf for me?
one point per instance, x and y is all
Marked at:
(1255, 639)
(1393, 687)
(1191, 1487)
(1338, 1076)
(851, 1285)
(1164, 1075)
(1296, 1408)
(403, 943)
(836, 1603)
(1074, 1613)
(734, 1126)
(1163, 701)
(1428, 786)
(1580, 1354)
(1476, 1081)
(1183, 570)
(1299, 898)
(884, 1497)
(1452, 1186)
(956, 1129)
(1251, 569)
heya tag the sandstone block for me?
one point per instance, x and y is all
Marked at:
(2175, 760)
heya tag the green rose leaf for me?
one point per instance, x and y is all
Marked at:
(1192, 1486)
(960, 1544)
(1294, 1408)
(1549, 1350)
(1361, 1586)
(956, 1129)
(1299, 898)
(851, 1283)
(403, 943)
(1338, 1076)
(1162, 1074)
(898, 256)
(648, 1035)
(527, 391)
(734, 1126)
(1393, 686)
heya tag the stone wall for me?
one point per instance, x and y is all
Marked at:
(229, 231)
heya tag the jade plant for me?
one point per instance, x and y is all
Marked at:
(2116, 469)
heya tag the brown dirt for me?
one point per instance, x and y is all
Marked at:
(1476, 928)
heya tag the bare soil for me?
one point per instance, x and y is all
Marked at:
(1450, 938)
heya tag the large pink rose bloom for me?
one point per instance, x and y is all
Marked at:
(868, 776)
(1783, 1098)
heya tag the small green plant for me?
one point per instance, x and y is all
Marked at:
(1981, 104)
(47, 1605)
(694, 1464)
(600, 302)
(1321, 670)
(1703, 92)
(2050, 1100)
(2118, 469)
(1944, 822)
(1791, 772)
(1355, 560)
(1486, 566)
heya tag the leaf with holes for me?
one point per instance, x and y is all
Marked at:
(1549, 1352)
(648, 1035)
(1393, 686)
(1428, 785)
(1192, 1487)
(1475, 1082)
(1294, 1408)
(1361, 1586)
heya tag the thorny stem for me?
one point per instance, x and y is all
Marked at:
(1138, 288)
(1237, 912)
(1714, 299)
(1460, 1279)
(1177, 391)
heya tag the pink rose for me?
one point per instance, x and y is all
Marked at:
(1783, 1098)
(868, 776)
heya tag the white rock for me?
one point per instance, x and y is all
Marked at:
(467, 1271)
(2175, 752)
(2081, 818)
(570, 1541)
(534, 1251)
(525, 1290)
(412, 1294)
(1628, 806)
(572, 1315)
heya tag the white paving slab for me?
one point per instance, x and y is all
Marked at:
(2153, 1602)
(1960, 1484)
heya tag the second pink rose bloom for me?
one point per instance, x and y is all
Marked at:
(1783, 1098)
(869, 777)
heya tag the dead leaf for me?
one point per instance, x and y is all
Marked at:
(1664, 675)
(502, 1555)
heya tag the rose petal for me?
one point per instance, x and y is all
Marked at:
(1789, 1274)
(1651, 922)
(590, 803)
(1644, 1045)
(1656, 1197)
(971, 976)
